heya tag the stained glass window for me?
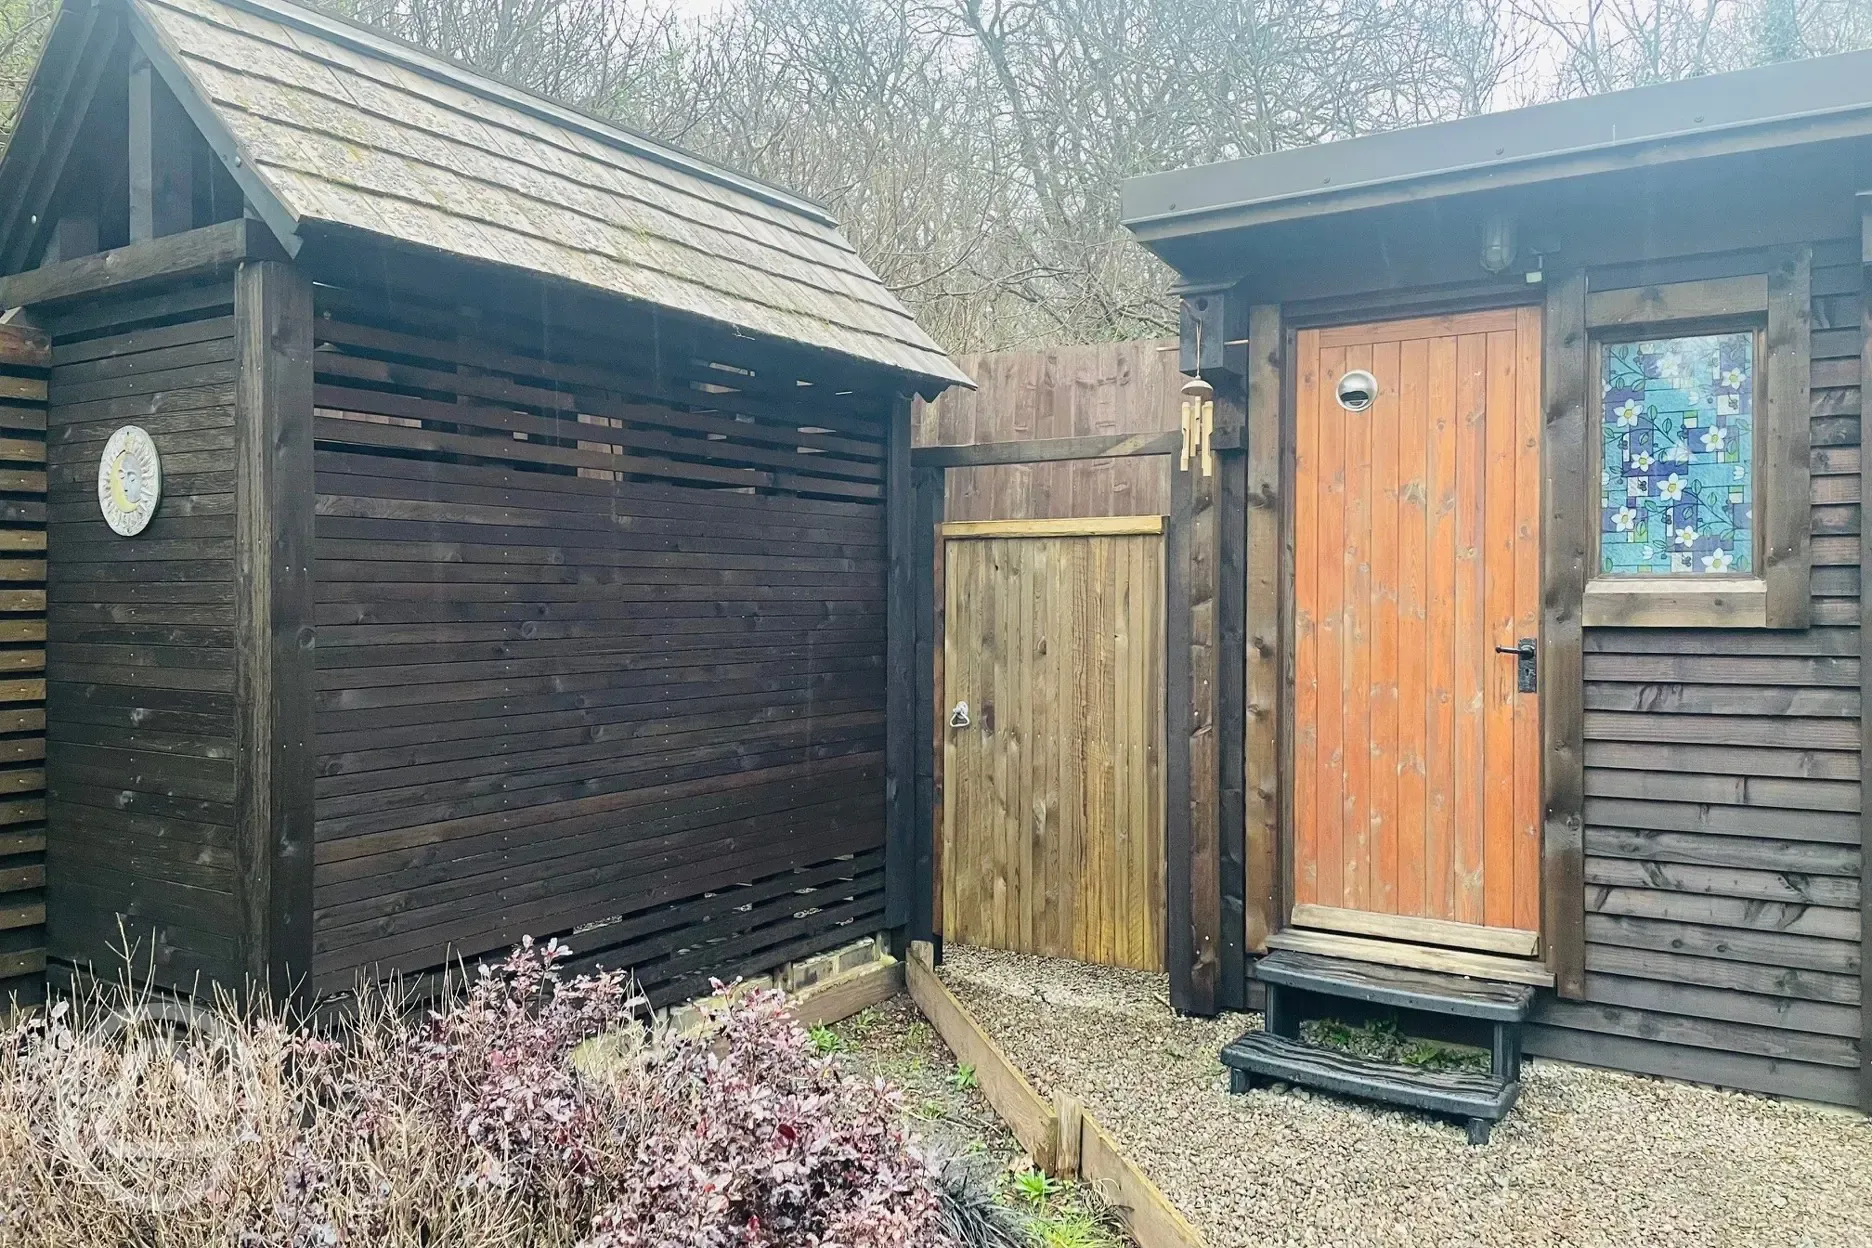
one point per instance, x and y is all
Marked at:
(1677, 475)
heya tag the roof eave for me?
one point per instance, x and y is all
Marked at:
(1247, 211)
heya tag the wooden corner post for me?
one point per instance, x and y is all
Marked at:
(900, 650)
(1203, 604)
(1564, 537)
(1865, 675)
(1262, 705)
(928, 486)
(274, 634)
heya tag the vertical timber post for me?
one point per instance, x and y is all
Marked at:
(1564, 535)
(900, 649)
(928, 485)
(1204, 628)
(1262, 707)
(162, 200)
(273, 626)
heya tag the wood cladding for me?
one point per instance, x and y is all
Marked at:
(139, 655)
(1053, 836)
(1722, 797)
(599, 650)
(24, 356)
(1063, 392)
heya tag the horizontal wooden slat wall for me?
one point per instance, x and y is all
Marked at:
(139, 657)
(24, 355)
(599, 651)
(1722, 797)
(1060, 392)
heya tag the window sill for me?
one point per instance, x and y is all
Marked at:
(1702, 602)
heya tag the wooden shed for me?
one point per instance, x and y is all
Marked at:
(1551, 501)
(521, 556)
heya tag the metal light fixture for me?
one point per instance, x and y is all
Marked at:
(1498, 243)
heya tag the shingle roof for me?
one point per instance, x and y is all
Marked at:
(351, 128)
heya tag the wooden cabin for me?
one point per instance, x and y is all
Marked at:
(464, 519)
(1547, 427)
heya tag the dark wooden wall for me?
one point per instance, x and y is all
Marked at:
(139, 664)
(1722, 794)
(589, 662)
(23, 359)
(1061, 392)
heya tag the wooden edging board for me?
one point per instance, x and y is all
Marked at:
(1064, 1140)
(844, 995)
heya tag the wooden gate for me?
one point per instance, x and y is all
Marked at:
(1053, 693)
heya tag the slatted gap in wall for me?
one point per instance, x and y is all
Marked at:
(24, 355)
(600, 651)
(1722, 798)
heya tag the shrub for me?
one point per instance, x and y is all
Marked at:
(480, 1123)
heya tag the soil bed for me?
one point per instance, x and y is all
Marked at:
(947, 1110)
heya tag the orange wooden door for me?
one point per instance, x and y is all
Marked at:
(1416, 554)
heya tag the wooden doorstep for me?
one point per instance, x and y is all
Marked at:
(1510, 942)
(1421, 957)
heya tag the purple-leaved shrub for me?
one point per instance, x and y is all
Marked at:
(534, 1109)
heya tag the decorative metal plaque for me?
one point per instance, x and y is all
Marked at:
(129, 481)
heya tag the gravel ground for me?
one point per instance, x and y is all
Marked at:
(1588, 1157)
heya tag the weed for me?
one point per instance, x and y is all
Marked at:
(825, 1041)
(1035, 1186)
(963, 1080)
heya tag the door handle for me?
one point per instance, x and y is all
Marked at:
(1527, 666)
(959, 717)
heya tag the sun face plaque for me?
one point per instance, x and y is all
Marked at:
(129, 481)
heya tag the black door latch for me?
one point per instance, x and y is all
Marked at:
(1527, 674)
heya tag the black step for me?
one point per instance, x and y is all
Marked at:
(1480, 1099)
(1396, 986)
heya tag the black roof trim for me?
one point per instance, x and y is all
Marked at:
(1775, 105)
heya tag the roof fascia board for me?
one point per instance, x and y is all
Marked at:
(1853, 122)
(380, 46)
(168, 63)
(31, 172)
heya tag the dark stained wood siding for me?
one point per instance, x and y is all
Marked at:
(589, 662)
(140, 670)
(1064, 392)
(22, 658)
(1722, 796)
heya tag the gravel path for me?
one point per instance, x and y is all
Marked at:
(1588, 1157)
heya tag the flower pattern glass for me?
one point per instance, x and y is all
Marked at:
(1677, 481)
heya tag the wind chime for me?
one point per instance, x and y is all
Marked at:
(1199, 418)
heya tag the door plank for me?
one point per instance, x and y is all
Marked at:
(1355, 646)
(1382, 822)
(1329, 754)
(1413, 707)
(1526, 885)
(1440, 832)
(1498, 773)
(1306, 617)
(1471, 633)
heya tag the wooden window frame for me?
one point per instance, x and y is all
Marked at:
(1774, 305)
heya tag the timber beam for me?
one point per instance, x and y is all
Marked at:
(211, 249)
(1048, 450)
